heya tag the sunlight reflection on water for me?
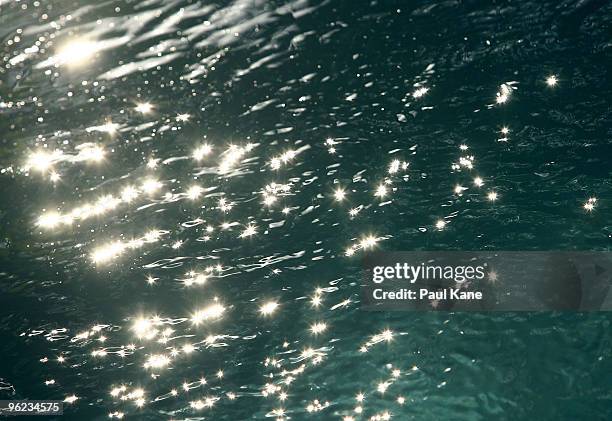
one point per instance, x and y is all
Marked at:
(203, 179)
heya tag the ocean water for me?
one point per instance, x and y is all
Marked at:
(187, 189)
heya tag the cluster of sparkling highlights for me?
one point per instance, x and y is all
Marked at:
(161, 343)
(142, 200)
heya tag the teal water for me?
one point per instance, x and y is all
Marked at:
(187, 189)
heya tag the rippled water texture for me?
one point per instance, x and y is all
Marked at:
(187, 189)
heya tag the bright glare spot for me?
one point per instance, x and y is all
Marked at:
(505, 130)
(49, 220)
(232, 156)
(386, 335)
(75, 52)
(91, 153)
(492, 196)
(269, 200)
(144, 108)
(150, 185)
(504, 94)
(318, 328)
(590, 204)
(268, 308)
(108, 252)
(308, 353)
(108, 127)
(478, 182)
(201, 152)
(551, 80)
(382, 387)
(42, 160)
(194, 192)
(368, 242)
(381, 191)
(339, 194)
(157, 361)
(152, 163)
(128, 194)
(213, 311)
(249, 231)
(286, 157)
(224, 205)
(152, 235)
(71, 399)
(278, 413)
(396, 165)
(142, 327)
(440, 224)
(420, 92)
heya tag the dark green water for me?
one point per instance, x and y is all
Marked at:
(348, 87)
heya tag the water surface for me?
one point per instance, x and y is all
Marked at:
(187, 189)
